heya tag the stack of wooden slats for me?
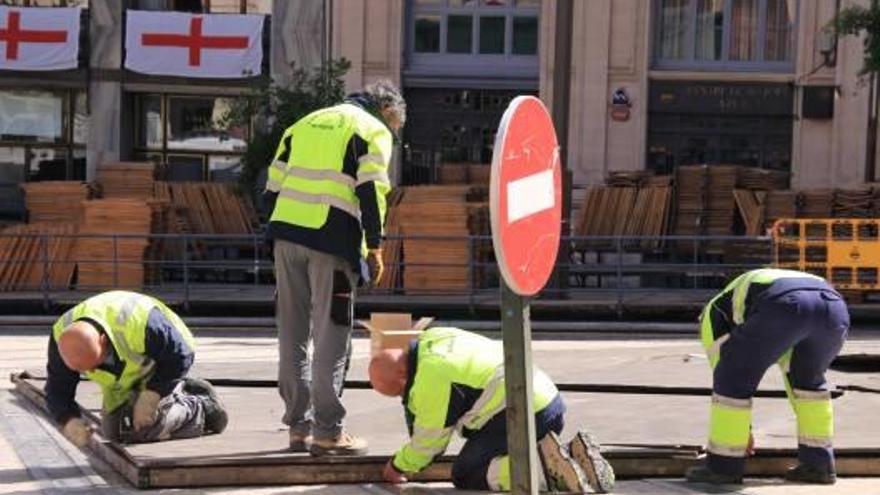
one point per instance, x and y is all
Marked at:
(751, 206)
(690, 184)
(55, 201)
(721, 204)
(132, 180)
(435, 264)
(96, 256)
(854, 203)
(627, 178)
(210, 208)
(392, 247)
(816, 203)
(36, 256)
(463, 173)
(761, 180)
(780, 204)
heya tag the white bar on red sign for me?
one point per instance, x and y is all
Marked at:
(194, 45)
(530, 195)
(39, 39)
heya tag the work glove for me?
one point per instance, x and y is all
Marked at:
(146, 409)
(376, 264)
(77, 431)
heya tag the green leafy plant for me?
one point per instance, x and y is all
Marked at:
(855, 20)
(272, 108)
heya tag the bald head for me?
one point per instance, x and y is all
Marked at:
(388, 372)
(82, 346)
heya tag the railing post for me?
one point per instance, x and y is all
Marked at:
(619, 262)
(470, 253)
(694, 261)
(185, 272)
(115, 262)
(44, 253)
(256, 259)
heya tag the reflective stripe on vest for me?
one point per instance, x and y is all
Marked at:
(379, 176)
(732, 402)
(323, 199)
(475, 418)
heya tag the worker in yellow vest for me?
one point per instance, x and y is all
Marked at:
(138, 352)
(796, 320)
(452, 381)
(328, 182)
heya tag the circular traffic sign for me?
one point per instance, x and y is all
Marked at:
(525, 196)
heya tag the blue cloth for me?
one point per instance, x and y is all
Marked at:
(163, 344)
(470, 467)
(814, 323)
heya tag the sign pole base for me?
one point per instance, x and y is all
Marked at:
(521, 442)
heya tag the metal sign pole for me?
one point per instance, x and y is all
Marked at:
(521, 442)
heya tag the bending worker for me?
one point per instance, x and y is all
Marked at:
(452, 380)
(764, 316)
(328, 183)
(138, 352)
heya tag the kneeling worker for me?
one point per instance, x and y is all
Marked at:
(139, 352)
(452, 380)
(764, 316)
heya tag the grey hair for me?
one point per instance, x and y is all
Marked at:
(386, 95)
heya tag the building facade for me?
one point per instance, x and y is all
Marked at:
(653, 85)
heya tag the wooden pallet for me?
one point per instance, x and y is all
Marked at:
(36, 256)
(55, 201)
(95, 255)
(133, 180)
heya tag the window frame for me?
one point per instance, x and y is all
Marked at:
(443, 63)
(163, 152)
(65, 144)
(691, 63)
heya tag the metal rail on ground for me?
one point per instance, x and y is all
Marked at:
(628, 460)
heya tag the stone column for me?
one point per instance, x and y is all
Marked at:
(105, 96)
(299, 37)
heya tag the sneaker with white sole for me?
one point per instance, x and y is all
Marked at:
(561, 471)
(342, 444)
(299, 442)
(585, 450)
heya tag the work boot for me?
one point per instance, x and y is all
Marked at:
(585, 450)
(342, 444)
(561, 471)
(809, 474)
(299, 442)
(216, 417)
(702, 474)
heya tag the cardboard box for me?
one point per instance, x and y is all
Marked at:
(393, 330)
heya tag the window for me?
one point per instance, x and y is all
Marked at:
(725, 34)
(183, 132)
(42, 135)
(209, 6)
(491, 38)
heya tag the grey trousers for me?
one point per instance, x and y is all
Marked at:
(180, 415)
(315, 301)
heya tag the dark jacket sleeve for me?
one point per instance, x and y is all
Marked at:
(371, 222)
(61, 383)
(173, 356)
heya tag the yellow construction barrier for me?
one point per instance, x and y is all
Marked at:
(845, 251)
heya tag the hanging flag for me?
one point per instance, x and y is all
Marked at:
(193, 45)
(39, 38)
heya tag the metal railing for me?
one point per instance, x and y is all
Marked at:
(194, 265)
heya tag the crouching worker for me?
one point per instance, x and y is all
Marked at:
(452, 380)
(138, 351)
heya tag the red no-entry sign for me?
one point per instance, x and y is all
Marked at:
(525, 198)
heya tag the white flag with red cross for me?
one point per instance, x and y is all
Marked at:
(193, 45)
(39, 38)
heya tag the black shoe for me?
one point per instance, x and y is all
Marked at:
(807, 474)
(585, 450)
(216, 417)
(702, 474)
